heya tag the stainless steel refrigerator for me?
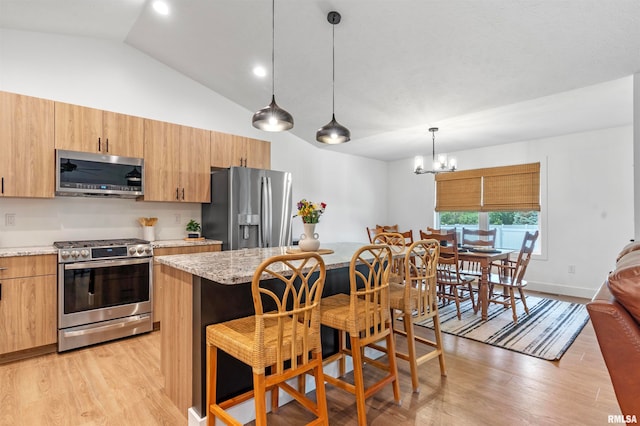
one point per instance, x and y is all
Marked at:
(249, 208)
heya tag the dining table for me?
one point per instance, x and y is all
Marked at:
(484, 256)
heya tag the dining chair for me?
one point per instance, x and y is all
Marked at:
(434, 233)
(417, 301)
(373, 231)
(364, 314)
(476, 237)
(479, 237)
(452, 285)
(510, 276)
(280, 342)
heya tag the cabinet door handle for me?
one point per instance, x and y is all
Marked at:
(99, 145)
(0, 291)
(183, 194)
(177, 193)
(107, 144)
(3, 184)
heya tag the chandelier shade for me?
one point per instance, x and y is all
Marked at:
(333, 132)
(272, 118)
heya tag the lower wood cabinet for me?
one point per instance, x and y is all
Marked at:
(158, 282)
(27, 302)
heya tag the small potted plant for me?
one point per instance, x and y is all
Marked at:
(193, 229)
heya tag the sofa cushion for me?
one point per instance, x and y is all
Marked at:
(632, 246)
(624, 283)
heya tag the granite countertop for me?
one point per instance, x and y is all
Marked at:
(50, 249)
(28, 251)
(238, 266)
(183, 243)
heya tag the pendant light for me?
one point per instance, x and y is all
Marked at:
(272, 118)
(439, 166)
(333, 132)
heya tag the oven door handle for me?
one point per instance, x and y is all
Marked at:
(124, 323)
(106, 263)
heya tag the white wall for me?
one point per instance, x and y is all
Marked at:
(587, 202)
(115, 77)
(588, 195)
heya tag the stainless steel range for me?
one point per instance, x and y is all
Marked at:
(105, 290)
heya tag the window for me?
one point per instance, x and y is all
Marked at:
(511, 225)
(506, 198)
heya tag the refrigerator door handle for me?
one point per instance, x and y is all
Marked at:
(269, 214)
(265, 213)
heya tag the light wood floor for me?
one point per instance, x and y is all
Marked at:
(119, 383)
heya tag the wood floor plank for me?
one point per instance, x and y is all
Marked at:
(120, 383)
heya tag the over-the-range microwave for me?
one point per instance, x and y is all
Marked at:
(97, 175)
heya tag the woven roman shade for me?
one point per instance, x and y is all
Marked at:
(459, 191)
(512, 188)
(507, 188)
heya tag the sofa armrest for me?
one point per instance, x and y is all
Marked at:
(618, 335)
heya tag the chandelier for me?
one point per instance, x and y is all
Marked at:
(440, 165)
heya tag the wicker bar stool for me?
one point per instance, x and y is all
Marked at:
(417, 300)
(413, 294)
(365, 315)
(397, 243)
(280, 342)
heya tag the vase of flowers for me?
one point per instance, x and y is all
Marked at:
(310, 214)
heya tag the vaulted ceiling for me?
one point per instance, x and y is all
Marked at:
(485, 71)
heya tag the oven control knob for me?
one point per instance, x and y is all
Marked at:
(75, 254)
(132, 250)
(84, 253)
(140, 249)
(147, 249)
(64, 254)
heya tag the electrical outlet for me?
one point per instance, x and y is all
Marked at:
(572, 269)
(178, 219)
(10, 219)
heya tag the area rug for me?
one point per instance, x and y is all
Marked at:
(547, 332)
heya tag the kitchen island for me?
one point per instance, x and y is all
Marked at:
(207, 288)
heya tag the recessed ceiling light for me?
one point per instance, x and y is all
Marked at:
(161, 7)
(260, 71)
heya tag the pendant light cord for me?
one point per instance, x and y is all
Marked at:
(433, 147)
(273, 47)
(333, 75)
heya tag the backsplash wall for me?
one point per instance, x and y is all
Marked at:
(43, 221)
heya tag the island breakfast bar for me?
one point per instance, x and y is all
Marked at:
(206, 288)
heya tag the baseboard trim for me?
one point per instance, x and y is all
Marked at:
(563, 290)
(28, 353)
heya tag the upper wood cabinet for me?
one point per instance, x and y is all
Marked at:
(232, 150)
(27, 162)
(79, 128)
(176, 163)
